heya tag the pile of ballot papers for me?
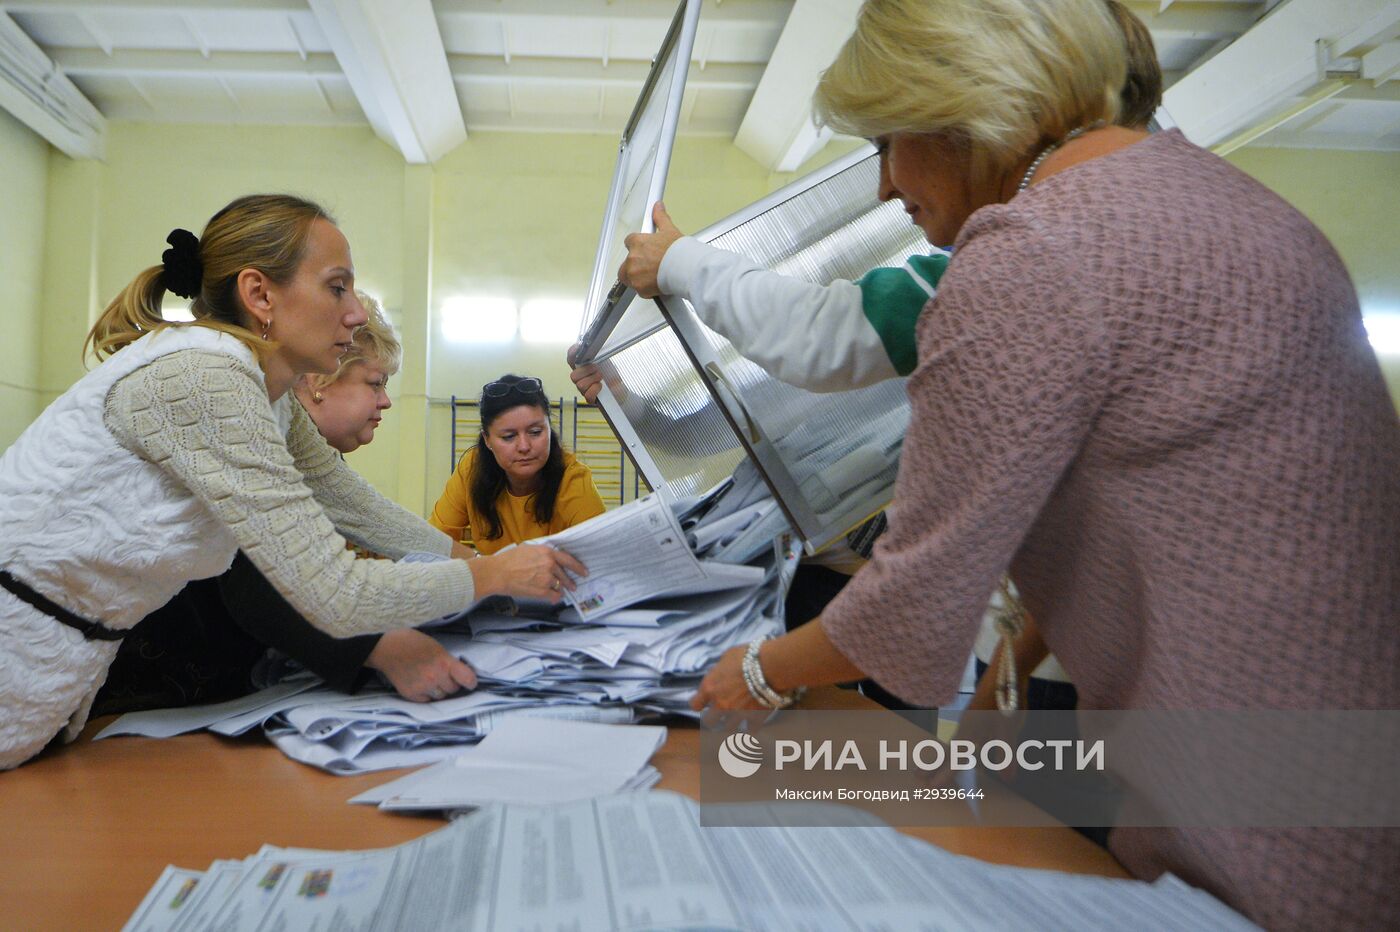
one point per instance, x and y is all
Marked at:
(670, 588)
(526, 760)
(643, 861)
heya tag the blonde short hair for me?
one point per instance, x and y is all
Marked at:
(374, 341)
(1000, 76)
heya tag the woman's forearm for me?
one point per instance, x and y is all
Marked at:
(805, 657)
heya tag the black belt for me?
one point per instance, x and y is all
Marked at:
(90, 629)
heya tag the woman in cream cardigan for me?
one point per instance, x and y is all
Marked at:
(183, 447)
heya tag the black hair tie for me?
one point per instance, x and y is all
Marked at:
(184, 273)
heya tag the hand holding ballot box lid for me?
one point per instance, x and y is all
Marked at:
(639, 179)
(686, 406)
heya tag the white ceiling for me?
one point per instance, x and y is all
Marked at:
(570, 65)
(424, 73)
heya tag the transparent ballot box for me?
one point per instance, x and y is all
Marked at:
(643, 158)
(692, 412)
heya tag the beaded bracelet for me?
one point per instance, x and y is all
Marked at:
(757, 683)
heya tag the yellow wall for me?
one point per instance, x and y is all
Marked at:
(518, 216)
(1354, 198)
(23, 182)
(515, 215)
(108, 220)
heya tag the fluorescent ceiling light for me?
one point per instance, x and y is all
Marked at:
(482, 319)
(551, 320)
(1383, 329)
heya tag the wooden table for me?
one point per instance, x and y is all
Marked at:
(90, 826)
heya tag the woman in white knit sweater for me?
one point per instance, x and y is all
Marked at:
(182, 447)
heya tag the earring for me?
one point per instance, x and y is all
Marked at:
(267, 327)
(317, 397)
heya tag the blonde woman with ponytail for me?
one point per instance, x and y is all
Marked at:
(206, 643)
(183, 447)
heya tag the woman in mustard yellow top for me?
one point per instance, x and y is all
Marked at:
(516, 483)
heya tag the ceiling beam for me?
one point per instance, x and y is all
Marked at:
(1296, 108)
(777, 130)
(1192, 19)
(153, 6)
(1269, 70)
(1382, 63)
(393, 57)
(296, 36)
(584, 121)
(142, 93)
(1358, 142)
(1381, 26)
(99, 35)
(198, 36)
(749, 11)
(44, 99)
(1386, 92)
(491, 69)
(221, 110)
(172, 63)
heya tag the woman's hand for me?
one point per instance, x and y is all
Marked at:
(530, 571)
(724, 688)
(645, 252)
(418, 666)
(587, 378)
(802, 657)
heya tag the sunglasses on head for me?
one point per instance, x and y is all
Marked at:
(499, 389)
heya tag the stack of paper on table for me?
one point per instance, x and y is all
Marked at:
(531, 761)
(642, 861)
(611, 659)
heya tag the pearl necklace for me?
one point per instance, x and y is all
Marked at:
(1045, 153)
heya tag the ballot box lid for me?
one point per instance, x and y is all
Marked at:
(690, 409)
(611, 317)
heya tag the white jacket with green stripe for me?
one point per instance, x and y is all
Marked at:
(824, 338)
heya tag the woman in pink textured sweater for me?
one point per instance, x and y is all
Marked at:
(1143, 387)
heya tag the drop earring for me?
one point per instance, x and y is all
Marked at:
(317, 397)
(267, 328)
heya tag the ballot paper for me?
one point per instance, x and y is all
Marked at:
(165, 903)
(622, 664)
(166, 723)
(634, 552)
(530, 761)
(642, 861)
